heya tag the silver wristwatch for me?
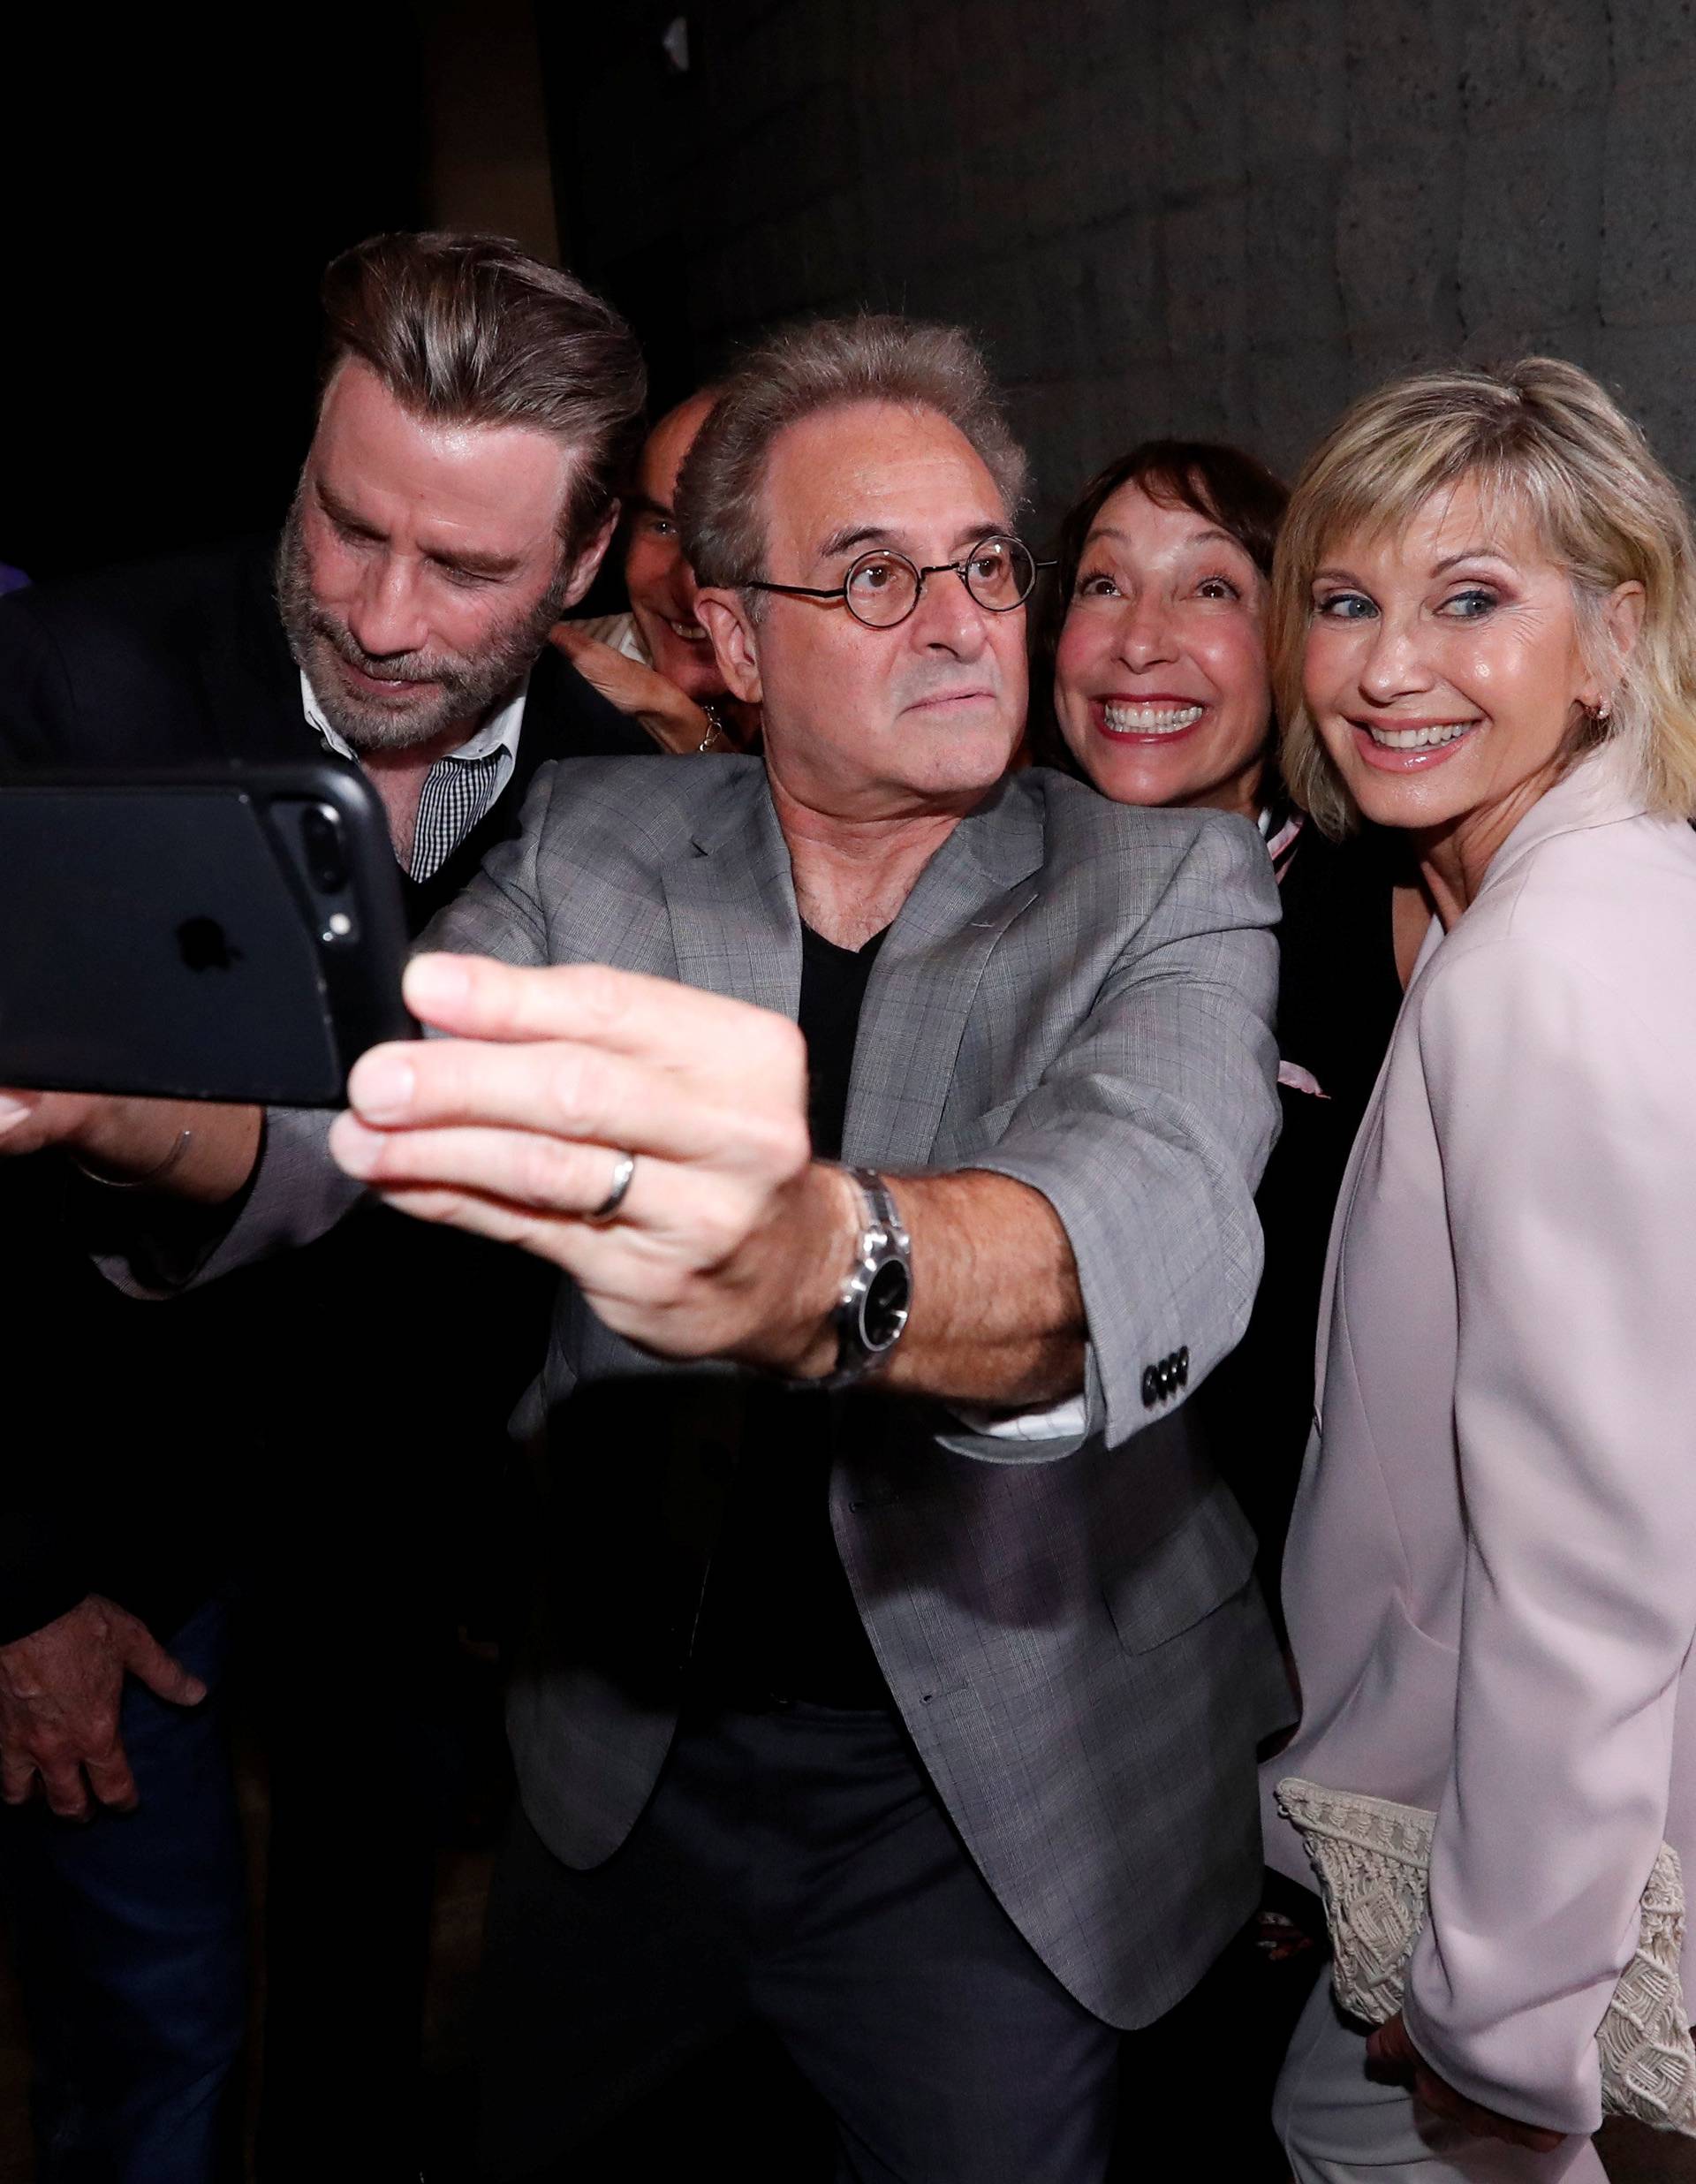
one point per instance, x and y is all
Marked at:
(877, 1294)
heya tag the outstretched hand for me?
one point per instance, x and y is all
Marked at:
(730, 1240)
(1396, 2059)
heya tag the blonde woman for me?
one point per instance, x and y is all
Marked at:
(1484, 632)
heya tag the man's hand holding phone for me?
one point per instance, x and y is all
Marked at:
(650, 1138)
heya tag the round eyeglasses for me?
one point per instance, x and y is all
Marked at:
(883, 588)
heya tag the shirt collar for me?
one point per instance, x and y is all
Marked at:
(1278, 831)
(498, 732)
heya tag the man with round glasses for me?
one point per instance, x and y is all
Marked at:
(896, 1124)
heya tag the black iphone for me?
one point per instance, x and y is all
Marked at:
(220, 933)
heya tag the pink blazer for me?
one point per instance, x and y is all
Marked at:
(1491, 1575)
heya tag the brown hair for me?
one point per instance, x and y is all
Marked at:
(472, 329)
(1542, 439)
(1226, 485)
(827, 364)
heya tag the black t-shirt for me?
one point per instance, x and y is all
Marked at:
(779, 1618)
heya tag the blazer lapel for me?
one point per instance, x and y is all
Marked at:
(1366, 1140)
(731, 902)
(927, 977)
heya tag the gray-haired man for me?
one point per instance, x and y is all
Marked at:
(903, 1669)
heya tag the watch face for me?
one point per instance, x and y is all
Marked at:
(883, 1310)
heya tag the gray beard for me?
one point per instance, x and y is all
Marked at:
(456, 689)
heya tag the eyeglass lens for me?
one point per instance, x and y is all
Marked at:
(883, 588)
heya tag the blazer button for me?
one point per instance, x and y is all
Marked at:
(1150, 1388)
(1183, 1367)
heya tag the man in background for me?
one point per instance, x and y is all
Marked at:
(656, 662)
(477, 411)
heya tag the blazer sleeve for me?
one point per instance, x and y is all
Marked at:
(1563, 1120)
(1148, 1132)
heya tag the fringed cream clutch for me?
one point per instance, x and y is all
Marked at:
(1372, 1857)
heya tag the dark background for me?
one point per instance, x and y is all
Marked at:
(170, 200)
(1224, 219)
(1161, 217)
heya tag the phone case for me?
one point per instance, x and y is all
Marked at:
(224, 932)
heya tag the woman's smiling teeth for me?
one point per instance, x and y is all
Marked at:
(1149, 720)
(1418, 739)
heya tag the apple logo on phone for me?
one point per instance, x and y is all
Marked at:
(204, 946)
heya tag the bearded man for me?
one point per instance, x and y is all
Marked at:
(476, 414)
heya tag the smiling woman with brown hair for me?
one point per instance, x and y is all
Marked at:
(1484, 610)
(1163, 695)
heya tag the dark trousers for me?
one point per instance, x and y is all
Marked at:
(130, 1933)
(365, 1729)
(794, 1867)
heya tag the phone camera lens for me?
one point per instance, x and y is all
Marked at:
(321, 837)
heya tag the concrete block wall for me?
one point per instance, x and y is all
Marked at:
(1166, 218)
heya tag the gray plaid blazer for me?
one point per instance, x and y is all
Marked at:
(1077, 993)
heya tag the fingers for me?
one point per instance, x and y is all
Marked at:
(111, 1779)
(60, 1771)
(1391, 2054)
(1437, 2094)
(17, 1777)
(599, 664)
(519, 1168)
(1486, 2123)
(670, 1221)
(63, 1787)
(1393, 2057)
(57, 1765)
(629, 684)
(147, 1660)
(515, 1129)
(30, 1121)
(589, 1058)
(1526, 2135)
(491, 1217)
(656, 1020)
(563, 1088)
